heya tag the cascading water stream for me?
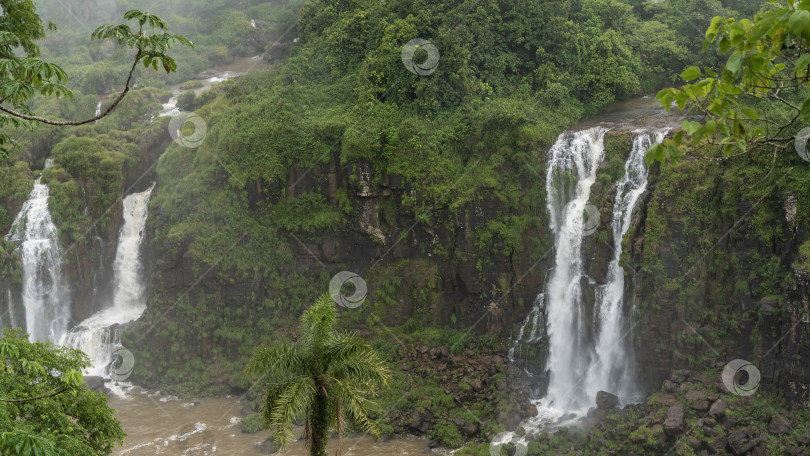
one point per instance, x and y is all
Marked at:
(45, 297)
(99, 336)
(571, 172)
(612, 370)
(585, 357)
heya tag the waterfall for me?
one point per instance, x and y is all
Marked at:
(45, 297)
(533, 321)
(99, 336)
(586, 357)
(613, 370)
(98, 109)
(571, 172)
(170, 107)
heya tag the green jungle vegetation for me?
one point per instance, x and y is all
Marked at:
(511, 76)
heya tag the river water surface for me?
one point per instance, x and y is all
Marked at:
(157, 425)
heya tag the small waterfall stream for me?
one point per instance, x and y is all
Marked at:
(44, 294)
(100, 335)
(587, 353)
(572, 166)
(612, 369)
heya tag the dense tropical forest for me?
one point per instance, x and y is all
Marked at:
(502, 227)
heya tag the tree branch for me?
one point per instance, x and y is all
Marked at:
(86, 121)
(58, 391)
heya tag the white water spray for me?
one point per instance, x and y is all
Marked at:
(99, 335)
(585, 358)
(44, 295)
(572, 166)
(612, 369)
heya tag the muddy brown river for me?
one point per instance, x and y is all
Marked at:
(158, 425)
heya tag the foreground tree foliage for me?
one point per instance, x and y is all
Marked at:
(759, 99)
(44, 407)
(328, 376)
(24, 75)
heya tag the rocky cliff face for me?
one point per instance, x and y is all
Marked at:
(427, 268)
(712, 275)
(720, 277)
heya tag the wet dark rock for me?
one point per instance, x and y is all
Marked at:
(93, 383)
(666, 398)
(718, 408)
(779, 425)
(697, 400)
(710, 431)
(96, 384)
(606, 401)
(674, 422)
(266, 447)
(693, 442)
(421, 421)
(719, 444)
(743, 440)
(597, 413)
(669, 386)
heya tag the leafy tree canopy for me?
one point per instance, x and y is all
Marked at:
(44, 407)
(23, 74)
(759, 99)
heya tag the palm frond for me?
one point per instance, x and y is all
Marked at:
(280, 359)
(355, 406)
(351, 359)
(318, 322)
(284, 403)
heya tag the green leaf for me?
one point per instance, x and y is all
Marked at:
(734, 63)
(749, 112)
(798, 21)
(655, 152)
(804, 114)
(690, 126)
(711, 32)
(801, 65)
(690, 73)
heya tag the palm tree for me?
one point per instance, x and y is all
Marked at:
(326, 377)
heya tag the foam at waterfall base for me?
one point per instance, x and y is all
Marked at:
(99, 336)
